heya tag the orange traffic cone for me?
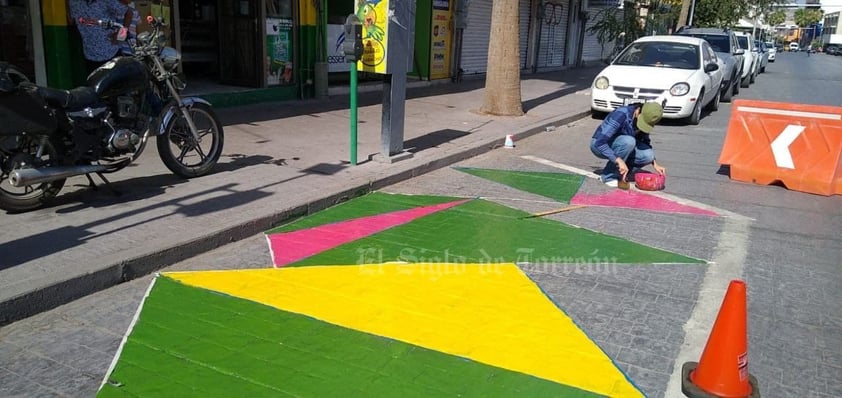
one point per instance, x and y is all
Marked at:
(723, 369)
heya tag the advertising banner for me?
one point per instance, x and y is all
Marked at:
(335, 55)
(375, 20)
(278, 51)
(440, 40)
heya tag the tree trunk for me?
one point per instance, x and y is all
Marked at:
(502, 80)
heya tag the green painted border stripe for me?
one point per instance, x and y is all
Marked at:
(192, 341)
(559, 186)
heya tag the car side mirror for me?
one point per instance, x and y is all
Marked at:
(739, 51)
(711, 67)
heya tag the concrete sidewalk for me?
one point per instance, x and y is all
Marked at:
(281, 160)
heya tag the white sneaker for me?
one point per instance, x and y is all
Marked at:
(611, 183)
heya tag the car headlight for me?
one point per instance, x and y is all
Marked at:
(680, 89)
(601, 83)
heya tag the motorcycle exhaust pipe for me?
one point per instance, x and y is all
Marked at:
(24, 177)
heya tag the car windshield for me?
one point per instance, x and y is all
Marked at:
(743, 42)
(660, 54)
(719, 43)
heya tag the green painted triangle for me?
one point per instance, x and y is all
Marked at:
(367, 205)
(558, 186)
(480, 231)
(195, 342)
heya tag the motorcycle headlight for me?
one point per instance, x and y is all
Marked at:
(170, 58)
(680, 89)
(601, 83)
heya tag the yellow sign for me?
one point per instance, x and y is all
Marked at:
(440, 40)
(375, 20)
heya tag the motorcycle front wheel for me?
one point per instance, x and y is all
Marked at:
(24, 151)
(181, 153)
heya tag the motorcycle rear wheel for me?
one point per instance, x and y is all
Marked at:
(178, 150)
(21, 151)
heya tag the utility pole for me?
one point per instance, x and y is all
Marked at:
(685, 10)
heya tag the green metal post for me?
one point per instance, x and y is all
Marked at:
(354, 114)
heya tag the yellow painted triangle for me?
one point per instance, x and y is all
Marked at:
(490, 313)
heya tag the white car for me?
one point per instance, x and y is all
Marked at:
(680, 72)
(773, 51)
(751, 61)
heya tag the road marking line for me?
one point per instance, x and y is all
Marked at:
(128, 332)
(726, 265)
(561, 166)
(781, 112)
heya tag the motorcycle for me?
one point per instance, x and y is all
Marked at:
(48, 135)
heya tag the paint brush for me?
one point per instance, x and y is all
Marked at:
(561, 210)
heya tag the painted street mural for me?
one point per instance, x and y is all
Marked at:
(391, 295)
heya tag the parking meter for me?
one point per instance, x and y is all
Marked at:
(353, 45)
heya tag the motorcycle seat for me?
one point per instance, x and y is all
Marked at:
(73, 100)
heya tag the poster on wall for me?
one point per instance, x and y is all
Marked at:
(440, 40)
(375, 20)
(335, 55)
(278, 51)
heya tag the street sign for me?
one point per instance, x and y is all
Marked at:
(797, 145)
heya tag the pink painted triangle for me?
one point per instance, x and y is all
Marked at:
(638, 200)
(289, 247)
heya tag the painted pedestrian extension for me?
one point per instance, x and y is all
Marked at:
(387, 295)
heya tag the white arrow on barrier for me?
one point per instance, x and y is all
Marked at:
(780, 146)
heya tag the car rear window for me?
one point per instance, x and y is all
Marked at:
(660, 54)
(719, 43)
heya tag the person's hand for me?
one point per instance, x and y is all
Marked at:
(622, 168)
(659, 169)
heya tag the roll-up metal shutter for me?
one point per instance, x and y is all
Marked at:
(553, 34)
(525, 17)
(475, 37)
(591, 49)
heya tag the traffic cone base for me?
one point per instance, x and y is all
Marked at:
(692, 391)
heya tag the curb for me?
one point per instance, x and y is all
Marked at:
(48, 297)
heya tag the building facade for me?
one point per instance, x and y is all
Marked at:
(286, 49)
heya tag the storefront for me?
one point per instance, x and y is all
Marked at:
(21, 42)
(552, 21)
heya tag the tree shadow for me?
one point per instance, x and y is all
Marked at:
(433, 139)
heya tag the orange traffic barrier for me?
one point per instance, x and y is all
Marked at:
(723, 369)
(795, 144)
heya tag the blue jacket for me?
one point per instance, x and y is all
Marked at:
(619, 122)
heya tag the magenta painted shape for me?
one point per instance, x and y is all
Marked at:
(638, 200)
(289, 247)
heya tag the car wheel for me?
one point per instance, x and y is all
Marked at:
(713, 105)
(597, 115)
(753, 76)
(763, 70)
(694, 117)
(746, 81)
(728, 93)
(736, 83)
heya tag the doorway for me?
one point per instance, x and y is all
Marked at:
(16, 39)
(220, 43)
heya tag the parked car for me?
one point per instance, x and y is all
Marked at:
(729, 53)
(750, 59)
(681, 73)
(832, 50)
(773, 51)
(762, 54)
(794, 46)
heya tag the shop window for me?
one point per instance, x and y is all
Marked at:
(279, 24)
(16, 36)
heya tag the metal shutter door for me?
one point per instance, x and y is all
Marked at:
(591, 50)
(553, 34)
(525, 6)
(475, 37)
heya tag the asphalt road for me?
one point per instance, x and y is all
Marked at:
(649, 319)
